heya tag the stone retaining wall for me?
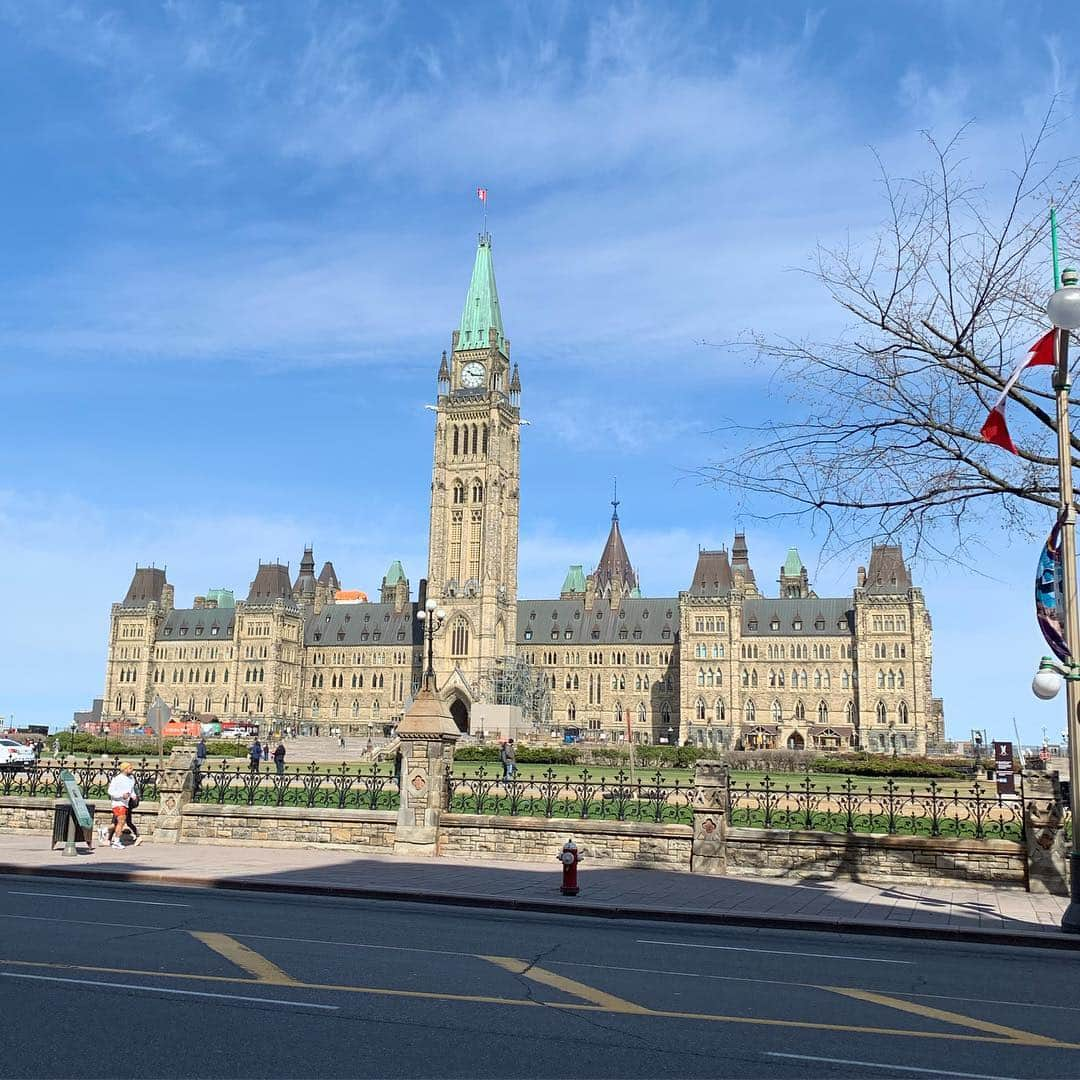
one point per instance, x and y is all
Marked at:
(23, 814)
(616, 843)
(289, 826)
(875, 859)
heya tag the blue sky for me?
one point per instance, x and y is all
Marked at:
(236, 238)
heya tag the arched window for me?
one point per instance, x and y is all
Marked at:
(475, 440)
(817, 680)
(748, 712)
(845, 680)
(901, 712)
(455, 440)
(753, 677)
(719, 711)
(826, 680)
(315, 709)
(777, 712)
(459, 491)
(892, 679)
(772, 674)
(881, 713)
(699, 710)
(822, 713)
(459, 638)
(701, 677)
(849, 712)
(119, 702)
(259, 704)
(485, 439)
(617, 715)
(477, 491)
(900, 679)
(244, 702)
(881, 680)
(225, 704)
(800, 711)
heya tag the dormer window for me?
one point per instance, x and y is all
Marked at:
(797, 624)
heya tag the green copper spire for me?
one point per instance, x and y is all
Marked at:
(793, 565)
(482, 312)
(575, 580)
(395, 574)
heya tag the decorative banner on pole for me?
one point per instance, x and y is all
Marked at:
(1049, 592)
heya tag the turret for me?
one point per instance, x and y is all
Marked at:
(395, 587)
(444, 376)
(515, 388)
(794, 581)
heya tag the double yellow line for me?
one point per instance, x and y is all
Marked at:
(262, 972)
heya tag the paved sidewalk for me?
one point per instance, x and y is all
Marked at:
(1009, 916)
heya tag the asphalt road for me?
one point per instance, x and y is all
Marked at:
(129, 980)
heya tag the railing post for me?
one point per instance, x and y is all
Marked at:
(1044, 834)
(175, 786)
(708, 852)
(427, 733)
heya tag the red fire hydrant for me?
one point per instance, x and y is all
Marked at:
(569, 858)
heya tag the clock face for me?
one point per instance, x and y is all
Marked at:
(472, 375)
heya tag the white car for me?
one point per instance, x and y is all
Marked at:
(15, 753)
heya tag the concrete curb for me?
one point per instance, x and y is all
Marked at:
(1029, 939)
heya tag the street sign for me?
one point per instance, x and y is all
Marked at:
(75, 797)
(1003, 768)
(158, 716)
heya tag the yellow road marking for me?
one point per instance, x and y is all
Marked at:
(568, 1006)
(608, 1002)
(244, 958)
(1028, 1038)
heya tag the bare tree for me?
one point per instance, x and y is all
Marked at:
(943, 306)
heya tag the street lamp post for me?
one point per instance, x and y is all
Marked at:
(1064, 312)
(433, 617)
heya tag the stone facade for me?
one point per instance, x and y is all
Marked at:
(606, 843)
(917, 860)
(721, 664)
(287, 826)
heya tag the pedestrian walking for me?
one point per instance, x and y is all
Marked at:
(279, 758)
(255, 755)
(397, 767)
(200, 752)
(508, 759)
(121, 789)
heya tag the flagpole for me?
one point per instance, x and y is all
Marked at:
(1054, 246)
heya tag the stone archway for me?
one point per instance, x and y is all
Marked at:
(460, 713)
(796, 742)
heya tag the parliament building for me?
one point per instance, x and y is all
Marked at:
(722, 664)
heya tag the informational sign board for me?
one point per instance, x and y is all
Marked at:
(1003, 768)
(75, 797)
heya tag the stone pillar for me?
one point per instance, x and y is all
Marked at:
(175, 788)
(427, 733)
(1044, 832)
(708, 854)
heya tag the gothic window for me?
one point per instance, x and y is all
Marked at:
(571, 713)
(802, 679)
(772, 677)
(779, 679)
(225, 704)
(822, 713)
(259, 703)
(119, 702)
(849, 712)
(475, 442)
(900, 679)
(800, 711)
(244, 702)
(881, 680)
(459, 638)
(881, 713)
(826, 680)
(475, 535)
(699, 710)
(485, 439)
(745, 677)
(456, 518)
(748, 712)
(817, 680)
(892, 679)
(777, 713)
(719, 711)
(455, 440)
(459, 491)
(618, 713)
(477, 491)
(753, 677)
(701, 677)
(845, 680)
(901, 712)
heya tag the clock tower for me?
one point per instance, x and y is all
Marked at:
(475, 491)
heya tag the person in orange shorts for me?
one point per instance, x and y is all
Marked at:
(121, 788)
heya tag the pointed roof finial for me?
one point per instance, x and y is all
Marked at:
(615, 499)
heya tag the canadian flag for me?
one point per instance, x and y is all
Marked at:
(481, 194)
(994, 430)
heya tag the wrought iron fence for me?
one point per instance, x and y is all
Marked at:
(618, 797)
(347, 787)
(93, 774)
(977, 812)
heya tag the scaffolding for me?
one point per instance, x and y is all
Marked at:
(511, 680)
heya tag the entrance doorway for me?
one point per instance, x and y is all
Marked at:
(460, 712)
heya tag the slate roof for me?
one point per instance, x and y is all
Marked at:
(358, 624)
(328, 577)
(271, 583)
(836, 613)
(740, 558)
(643, 620)
(146, 585)
(887, 572)
(197, 624)
(712, 575)
(614, 566)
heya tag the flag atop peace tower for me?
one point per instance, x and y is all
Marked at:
(722, 664)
